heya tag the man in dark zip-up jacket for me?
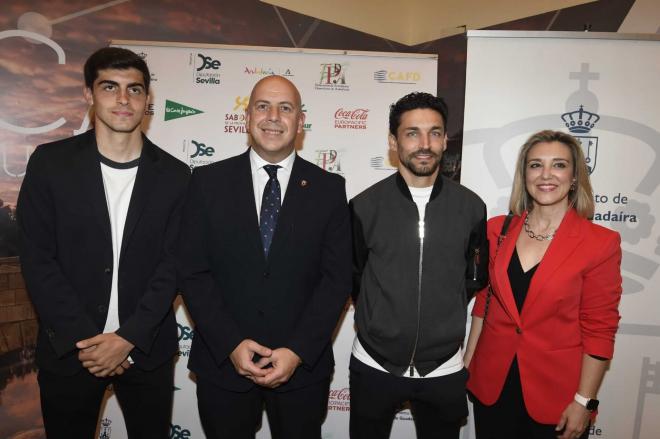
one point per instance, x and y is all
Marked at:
(420, 252)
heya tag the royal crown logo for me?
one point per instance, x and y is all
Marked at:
(580, 121)
(106, 430)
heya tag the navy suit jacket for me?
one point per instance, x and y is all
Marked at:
(67, 258)
(292, 299)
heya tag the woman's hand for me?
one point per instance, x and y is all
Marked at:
(573, 421)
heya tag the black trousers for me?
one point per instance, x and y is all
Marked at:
(294, 414)
(70, 404)
(438, 405)
(508, 417)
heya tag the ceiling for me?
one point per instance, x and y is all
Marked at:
(412, 22)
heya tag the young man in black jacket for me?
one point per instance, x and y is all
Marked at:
(98, 218)
(420, 251)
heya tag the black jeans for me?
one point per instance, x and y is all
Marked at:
(438, 405)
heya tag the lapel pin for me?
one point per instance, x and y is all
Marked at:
(303, 183)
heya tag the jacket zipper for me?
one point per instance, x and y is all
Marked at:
(419, 292)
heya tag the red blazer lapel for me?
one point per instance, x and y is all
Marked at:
(501, 277)
(566, 240)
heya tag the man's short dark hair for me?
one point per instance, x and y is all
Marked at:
(414, 101)
(114, 58)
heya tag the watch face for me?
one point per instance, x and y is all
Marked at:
(592, 405)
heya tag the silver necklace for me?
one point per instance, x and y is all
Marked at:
(538, 237)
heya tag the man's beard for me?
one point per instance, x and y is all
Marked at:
(421, 170)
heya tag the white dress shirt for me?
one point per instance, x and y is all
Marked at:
(260, 176)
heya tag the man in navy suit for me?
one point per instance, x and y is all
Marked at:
(99, 216)
(265, 256)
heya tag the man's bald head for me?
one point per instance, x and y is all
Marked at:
(274, 118)
(279, 83)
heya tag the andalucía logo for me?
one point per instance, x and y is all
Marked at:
(206, 69)
(394, 77)
(106, 430)
(235, 120)
(178, 432)
(266, 71)
(199, 154)
(175, 110)
(582, 121)
(351, 119)
(333, 77)
(329, 159)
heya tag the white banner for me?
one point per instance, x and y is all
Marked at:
(603, 89)
(199, 94)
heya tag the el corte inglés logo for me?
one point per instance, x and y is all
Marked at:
(175, 110)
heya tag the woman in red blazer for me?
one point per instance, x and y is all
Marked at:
(538, 347)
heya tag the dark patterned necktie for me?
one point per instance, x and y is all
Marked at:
(270, 207)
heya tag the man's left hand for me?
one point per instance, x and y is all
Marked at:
(101, 354)
(284, 363)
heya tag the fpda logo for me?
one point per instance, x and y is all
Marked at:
(333, 77)
(329, 159)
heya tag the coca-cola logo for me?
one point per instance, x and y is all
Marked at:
(340, 394)
(357, 114)
(355, 119)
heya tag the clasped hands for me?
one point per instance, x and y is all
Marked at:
(105, 354)
(283, 362)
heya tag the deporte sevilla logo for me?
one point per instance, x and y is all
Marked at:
(206, 69)
(175, 110)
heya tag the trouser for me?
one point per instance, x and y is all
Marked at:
(293, 414)
(70, 404)
(438, 405)
(508, 417)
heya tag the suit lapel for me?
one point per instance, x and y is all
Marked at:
(566, 240)
(145, 180)
(246, 209)
(500, 272)
(294, 199)
(92, 181)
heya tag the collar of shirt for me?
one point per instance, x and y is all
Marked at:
(260, 176)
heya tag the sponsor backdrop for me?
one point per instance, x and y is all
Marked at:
(602, 88)
(197, 114)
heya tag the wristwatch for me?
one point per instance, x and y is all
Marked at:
(588, 403)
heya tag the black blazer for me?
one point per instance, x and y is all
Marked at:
(293, 299)
(66, 251)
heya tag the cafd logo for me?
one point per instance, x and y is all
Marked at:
(332, 77)
(581, 121)
(106, 430)
(395, 77)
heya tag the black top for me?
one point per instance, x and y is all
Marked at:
(519, 279)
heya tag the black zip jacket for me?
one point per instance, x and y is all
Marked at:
(412, 281)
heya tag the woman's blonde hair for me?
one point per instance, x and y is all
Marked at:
(580, 197)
